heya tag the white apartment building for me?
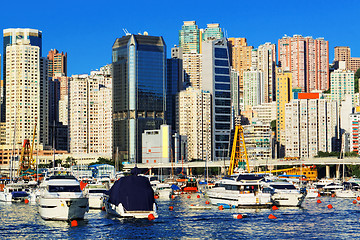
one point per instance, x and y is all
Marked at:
(253, 88)
(90, 114)
(310, 126)
(342, 84)
(265, 112)
(192, 66)
(257, 139)
(194, 121)
(26, 93)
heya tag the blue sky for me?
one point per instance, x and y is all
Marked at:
(86, 30)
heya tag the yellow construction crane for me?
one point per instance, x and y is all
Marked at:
(238, 152)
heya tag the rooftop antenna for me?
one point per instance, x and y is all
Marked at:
(126, 32)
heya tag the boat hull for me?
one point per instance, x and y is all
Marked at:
(63, 208)
(96, 201)
(288, 199)
(120, 212)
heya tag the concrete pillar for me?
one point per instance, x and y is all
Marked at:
(327, 171)
(187, 172)
(150, 171)
(338, 171)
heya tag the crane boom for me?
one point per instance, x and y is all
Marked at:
(238, 152)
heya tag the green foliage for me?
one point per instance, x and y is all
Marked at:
(336, 154)
(50, 164)
(356, 81)
(69, 162)
(327, 91)
(273, 125)
(102, 160)
(353, 170)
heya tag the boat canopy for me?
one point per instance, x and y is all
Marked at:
(133, 192)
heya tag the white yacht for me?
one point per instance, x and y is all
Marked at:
(62, 199)
(312, 192)
(96, 194)
(346, 193)
(286, 194)
(163, 190)
(245, 190)
(13, 192)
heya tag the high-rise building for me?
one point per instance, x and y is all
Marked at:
(194, 121)
(139, 90)
(257, 136)
(90, 113)
(343, 53)
(253, 88)
(235, 97)
(192, 65)
(283, 96)
(264, 60)
(241, 58)
(265, 112)
(310, 126)
(216, 80)
(342, 84)
(212, 32)
(26, 93)
(10, 36)
(354, 133)
(189, 37)
(307, 59)
(57, 63)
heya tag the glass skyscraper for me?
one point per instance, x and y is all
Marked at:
(189, 37)
(139, 91)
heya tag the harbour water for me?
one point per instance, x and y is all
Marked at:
(312, 221)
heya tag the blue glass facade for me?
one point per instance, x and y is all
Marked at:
(173, 82)
(139, 91)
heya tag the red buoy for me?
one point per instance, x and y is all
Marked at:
(188, 196)
(103, 208)
(172, 196)
(319, 195)
(156, 196)
(207, 202)
(198, 196)
(272, 217)
(358, 198)
(332, 195)
(171, 208)
(274, 208)
(151, 217)
(26, 201)
(221, 207)
(329, 206)
(318, 201)
(74, 223)
(239, 216)
(354, 202)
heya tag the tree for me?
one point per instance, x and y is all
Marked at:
(273, 125)
(102, 160)
(356, 81)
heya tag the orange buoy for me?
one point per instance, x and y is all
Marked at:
(151, 217)
(192, 205)
(207, 202)
(274, 208)
(182, 192)
(171, 208)
(188, 196)
(239, 216)
(354, 202)
(198, 196)
(156, 196)
(221, 207)
(26, 201)
(332, 195)
(318, 201)
(329, 206)
(103, 208)
(172, 196)
(272, 217)
(358, 198)
(74, 223)
(319, 195)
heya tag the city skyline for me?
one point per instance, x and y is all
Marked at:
(86, 33)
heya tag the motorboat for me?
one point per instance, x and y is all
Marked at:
(14, 192)
(61, 198)
(163, 190)
(244, 190)
(131, 197)
(96, 194)
(312, 192)
(346, 193)
(286, 194)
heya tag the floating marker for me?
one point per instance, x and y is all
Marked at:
(207, 202)
(239, 216)
(332, 195)
(103, 208)
(151, 217)
(274, 208)
(329, 206)
(358, 198)
(156, 196)
(198, 196)
(172, 196)
(354, 202)
(26, 201)
(188, 196)
(319, 195)
(272, 217)
(318, 201)
(221, 207)
(74, 223)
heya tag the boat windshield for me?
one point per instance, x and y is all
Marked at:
(287, 186)
(75, 188)
(97, 191)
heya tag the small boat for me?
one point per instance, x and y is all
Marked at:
(96, 194)
(346, 193)
(190, 186)
(14, 192)
(131, 197)
(61, 198)
(163, 190)
(199, 207)
(312, 192)
(286, 194)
